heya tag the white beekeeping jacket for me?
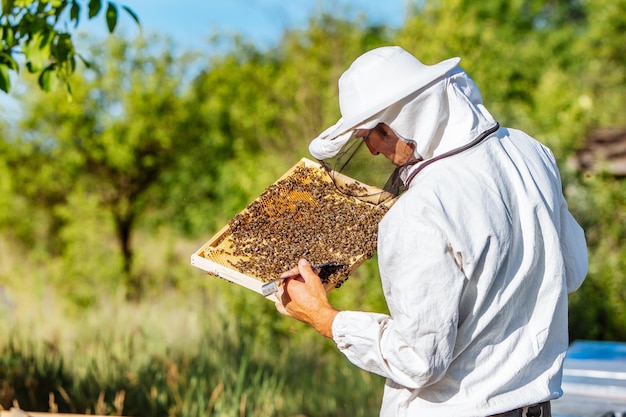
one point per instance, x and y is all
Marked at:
(476, 260)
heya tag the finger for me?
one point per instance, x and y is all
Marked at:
(292, 271)
(309, 276)
(304, 268)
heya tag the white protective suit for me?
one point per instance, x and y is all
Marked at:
(476, 260)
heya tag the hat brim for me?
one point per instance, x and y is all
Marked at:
(435, 73)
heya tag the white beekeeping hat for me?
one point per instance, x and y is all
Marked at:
(375, 80)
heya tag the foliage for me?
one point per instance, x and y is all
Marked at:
(34, 29)
(597, 309)
(526, 57)
(259, 111)
(511, 49)
(113, 142)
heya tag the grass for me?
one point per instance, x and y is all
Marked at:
(194, 346)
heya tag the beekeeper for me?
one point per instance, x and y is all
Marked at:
(476, 257)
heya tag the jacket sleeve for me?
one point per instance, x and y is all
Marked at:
(414, 345)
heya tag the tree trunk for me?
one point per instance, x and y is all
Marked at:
(124, 224)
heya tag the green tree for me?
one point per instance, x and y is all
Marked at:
(35, 30)
(598, 308)
(269, 105)
(116, 140)
(304, 92)
(499, 44)
(555, 70)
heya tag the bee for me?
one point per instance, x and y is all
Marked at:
(303, 215)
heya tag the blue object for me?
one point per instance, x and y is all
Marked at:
(601, 351)
(594, 380)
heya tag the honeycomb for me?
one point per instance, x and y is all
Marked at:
(302, 215)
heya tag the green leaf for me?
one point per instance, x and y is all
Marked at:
(5, 81)
(7, 6)
(85, 62)
(37, 51)
(8, 36)
(71, 63)
(58, 6)
(94, 7)
(63, 47)
(23, 3)
(68, 90)
(7, 59)
(132, 14)
(111, 17)
(49, 80)
(75, 13)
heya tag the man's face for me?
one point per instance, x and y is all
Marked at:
(382, 140)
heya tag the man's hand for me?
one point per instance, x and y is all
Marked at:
(304, 298)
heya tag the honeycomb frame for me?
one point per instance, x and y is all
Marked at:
(216, 256)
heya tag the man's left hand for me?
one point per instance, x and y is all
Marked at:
(304, 298)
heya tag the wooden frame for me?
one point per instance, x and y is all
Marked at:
(220, 264)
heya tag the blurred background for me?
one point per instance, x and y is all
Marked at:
(163, 132)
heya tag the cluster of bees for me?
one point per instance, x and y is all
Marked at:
(303, 216)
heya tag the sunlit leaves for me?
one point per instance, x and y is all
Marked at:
(36, 50)
(48, 79)
(5, 80)
(36, 29)
(7, 64)
(117, 142)
(7, 6)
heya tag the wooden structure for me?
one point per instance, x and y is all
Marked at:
(604, 151)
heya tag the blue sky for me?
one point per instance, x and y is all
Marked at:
(191, 22)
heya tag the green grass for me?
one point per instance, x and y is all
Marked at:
(193, 346)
